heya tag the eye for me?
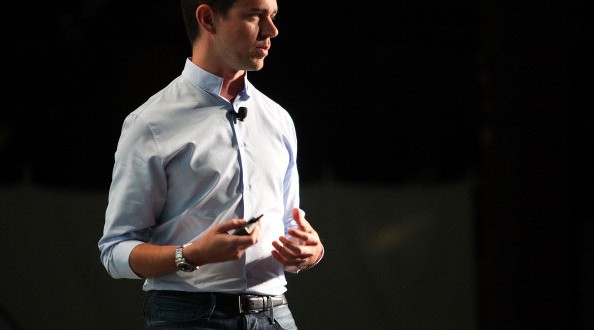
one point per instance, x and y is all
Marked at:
(262, 15)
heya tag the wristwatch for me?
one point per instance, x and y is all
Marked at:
(181, 262)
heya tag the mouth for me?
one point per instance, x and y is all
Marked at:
(263, 50)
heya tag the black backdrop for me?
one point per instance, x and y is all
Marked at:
(381, 93)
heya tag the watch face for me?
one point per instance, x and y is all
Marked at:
(186, 267)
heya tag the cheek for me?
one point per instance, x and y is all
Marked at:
(234, 43)
(244, 35)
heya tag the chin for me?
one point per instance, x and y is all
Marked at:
(256, 65)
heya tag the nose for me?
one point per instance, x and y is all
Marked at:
(268, 28)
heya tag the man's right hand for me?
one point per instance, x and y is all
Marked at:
(216, 245)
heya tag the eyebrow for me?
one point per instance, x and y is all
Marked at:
(263, 11)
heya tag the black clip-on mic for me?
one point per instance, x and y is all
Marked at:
(241, 113)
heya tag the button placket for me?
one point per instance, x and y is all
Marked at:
(245, 170)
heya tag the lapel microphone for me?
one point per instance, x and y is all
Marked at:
(241, 113)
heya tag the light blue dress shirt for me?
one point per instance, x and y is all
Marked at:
(184, 163)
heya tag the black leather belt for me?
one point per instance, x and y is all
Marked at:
(230, 303)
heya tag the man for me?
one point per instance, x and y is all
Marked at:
(194, 161)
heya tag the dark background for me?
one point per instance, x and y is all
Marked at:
(382, 93)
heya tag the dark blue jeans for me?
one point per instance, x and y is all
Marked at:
(183, 310)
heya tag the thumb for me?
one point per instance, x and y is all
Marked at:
(298, 216)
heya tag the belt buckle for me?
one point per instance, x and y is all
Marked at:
(240, 301)
(245, 299)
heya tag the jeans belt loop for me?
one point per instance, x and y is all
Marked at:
(241, 311)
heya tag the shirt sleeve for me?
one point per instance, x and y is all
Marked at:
(136, 197)
(291, 181)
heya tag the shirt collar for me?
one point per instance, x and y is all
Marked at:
(209, 82)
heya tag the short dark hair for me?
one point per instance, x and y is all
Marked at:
(188, 8)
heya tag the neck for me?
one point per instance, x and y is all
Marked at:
(231, 87)
(233, 81)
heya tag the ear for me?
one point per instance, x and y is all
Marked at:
(205, 18)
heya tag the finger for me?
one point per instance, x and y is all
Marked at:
(289, 249)
(299, 235)
(280, 258)
(305, 237)
(252, 238)
(280, 248)
(292, 242)
(291, 261)
(225, 226)
(285, 251)
(255, 234)
(242, 242)
(277, 254)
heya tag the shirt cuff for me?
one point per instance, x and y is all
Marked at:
(121, 263)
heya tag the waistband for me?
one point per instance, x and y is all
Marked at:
(228, 303)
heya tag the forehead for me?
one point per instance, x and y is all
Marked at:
(261, 5)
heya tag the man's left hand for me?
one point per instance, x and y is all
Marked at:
(302, 250)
